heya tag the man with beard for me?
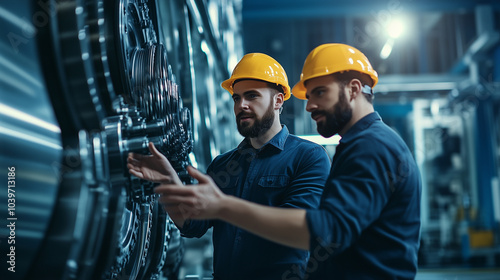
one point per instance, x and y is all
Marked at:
(270, 167)
(368, 221)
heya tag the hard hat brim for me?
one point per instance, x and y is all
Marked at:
(299, 90)
(228, 85)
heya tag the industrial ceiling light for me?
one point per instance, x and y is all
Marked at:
(395, 28)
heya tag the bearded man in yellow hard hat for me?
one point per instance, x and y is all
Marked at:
(270, 167)
(368, 221)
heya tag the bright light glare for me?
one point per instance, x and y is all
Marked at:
(232, 62)
(435, 108)
(213, 11)
(192, 158)
(387, 49)
(205, 48)
(320, 140)
(395, 28)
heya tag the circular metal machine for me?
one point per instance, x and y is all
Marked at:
(108, 88)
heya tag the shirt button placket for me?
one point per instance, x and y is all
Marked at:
(252, 169)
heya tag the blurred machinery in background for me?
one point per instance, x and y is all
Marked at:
(439, 88)
(456, 147)
(83, 83)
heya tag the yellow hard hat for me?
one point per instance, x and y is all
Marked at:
(259, 66)
(327, 59)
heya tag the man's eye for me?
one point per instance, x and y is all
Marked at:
(319, 92)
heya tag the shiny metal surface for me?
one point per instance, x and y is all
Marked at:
(30, 138)
(83, 84)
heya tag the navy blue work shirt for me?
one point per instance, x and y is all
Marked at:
(368, 222)
(286, 172)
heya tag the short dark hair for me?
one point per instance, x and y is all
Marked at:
(346, 77)
(276, 87)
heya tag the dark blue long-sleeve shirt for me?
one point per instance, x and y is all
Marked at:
(286, 172)
(367, 225)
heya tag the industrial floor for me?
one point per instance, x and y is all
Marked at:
(459, 274)
(197, 265)
(451, 274)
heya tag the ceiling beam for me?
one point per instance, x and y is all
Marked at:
(421, 82)
(301, 9)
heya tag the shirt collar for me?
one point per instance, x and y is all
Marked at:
(360, 125)
(277, 141)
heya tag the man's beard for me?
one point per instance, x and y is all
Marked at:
(259, 127)
(336, 118)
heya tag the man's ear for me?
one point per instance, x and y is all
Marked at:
(355, 88)
(279, 98)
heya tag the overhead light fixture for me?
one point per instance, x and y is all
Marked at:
(395, 28)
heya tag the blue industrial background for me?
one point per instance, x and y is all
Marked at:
(84, 82)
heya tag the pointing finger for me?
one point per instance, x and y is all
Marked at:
(196, 174)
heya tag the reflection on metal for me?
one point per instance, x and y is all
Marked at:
(203, 67)
(20, 115)
(84, 84)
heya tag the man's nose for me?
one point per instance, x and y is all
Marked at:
(311, 106)
(244, 104)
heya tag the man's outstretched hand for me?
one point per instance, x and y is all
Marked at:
(155, 167)
(206, 201)
(202, 201)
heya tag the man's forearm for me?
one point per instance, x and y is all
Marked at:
(284, 226)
